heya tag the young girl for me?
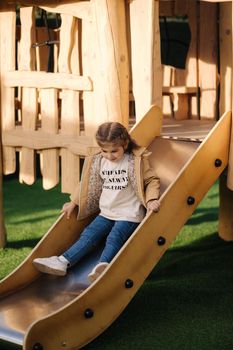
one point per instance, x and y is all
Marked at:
(118, 182)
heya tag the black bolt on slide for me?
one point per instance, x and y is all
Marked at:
(161, 240)
(89, 313)
(128, 283)
(217, 163)
(37, 346)
(190, 200)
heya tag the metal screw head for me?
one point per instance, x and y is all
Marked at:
(88, 313)
(217, 163)
(37, 346)
(129, 283)
(190, 200)
(161, 240)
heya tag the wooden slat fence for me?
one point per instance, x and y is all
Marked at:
(56, 113)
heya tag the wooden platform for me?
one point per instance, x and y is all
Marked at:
(190, 130)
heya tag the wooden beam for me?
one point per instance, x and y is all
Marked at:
(225, 227)
(230, 166)
(41, 140)
(147, 128)
(3, 234)
(68, 61)
(112, 66)
(29, 103)
(7, 59)
(39, 2)
(44, 80)
(207, 60)
(145, 55)
(79, 9)
(225, 47)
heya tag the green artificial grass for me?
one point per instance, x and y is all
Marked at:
(29, 212)
(185, 303)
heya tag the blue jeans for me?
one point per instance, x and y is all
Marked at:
(117, 233)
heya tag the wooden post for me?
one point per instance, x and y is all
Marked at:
(145, 55)
(29, 95)
(7, 59)
(189, 76)
(10, 164)
(207, 60)
(2, 225)
(225, 228)
(111, 80)
(230, 166)
(68, 62)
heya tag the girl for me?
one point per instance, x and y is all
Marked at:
(118, 182)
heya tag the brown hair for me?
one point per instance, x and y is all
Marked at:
(116, 133)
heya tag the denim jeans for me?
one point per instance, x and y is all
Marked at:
(115, 232)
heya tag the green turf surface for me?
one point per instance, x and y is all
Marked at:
(185, 303)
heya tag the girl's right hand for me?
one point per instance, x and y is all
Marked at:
(68, 208)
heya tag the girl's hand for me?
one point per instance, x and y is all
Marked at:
(68, 208)
(153, 205)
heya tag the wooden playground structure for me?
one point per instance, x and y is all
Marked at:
(103, 62)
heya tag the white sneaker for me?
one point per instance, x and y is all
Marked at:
(53, 265)
(97, 271)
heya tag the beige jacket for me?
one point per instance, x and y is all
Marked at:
(143, 179)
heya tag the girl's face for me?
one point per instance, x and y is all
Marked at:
(112, 152)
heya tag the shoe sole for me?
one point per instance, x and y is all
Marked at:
(99, 270)
(46, 269)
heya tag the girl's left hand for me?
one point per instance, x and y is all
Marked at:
(153, 205)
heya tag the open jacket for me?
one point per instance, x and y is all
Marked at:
(142, 177)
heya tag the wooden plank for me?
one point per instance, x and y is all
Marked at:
(80, 9)
(49, 123)
(179, 90)
(208, 59)
(68, 61)
(88, 60)
(216, 1)
(225, 104)
(42, 140)
(145, 55)
(3, 234)
(225, 227)
(112, 78)
(230, 165)
(7, 61)
(42, 51)
(181, 7)
(180, 106)
(225, 42)
(45, 80)
(167, 8)
(189, 76)
(192, 59)
(194, 130)
(167, 107)
(147, 128)
(29, 104)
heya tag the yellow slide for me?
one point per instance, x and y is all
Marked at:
(44, 312)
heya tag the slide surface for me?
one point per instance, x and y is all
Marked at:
(48, 312)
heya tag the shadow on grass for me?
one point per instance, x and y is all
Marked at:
(8, 346)
(185, 303)
(15, 221)
(202, 215)
(24, 243)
